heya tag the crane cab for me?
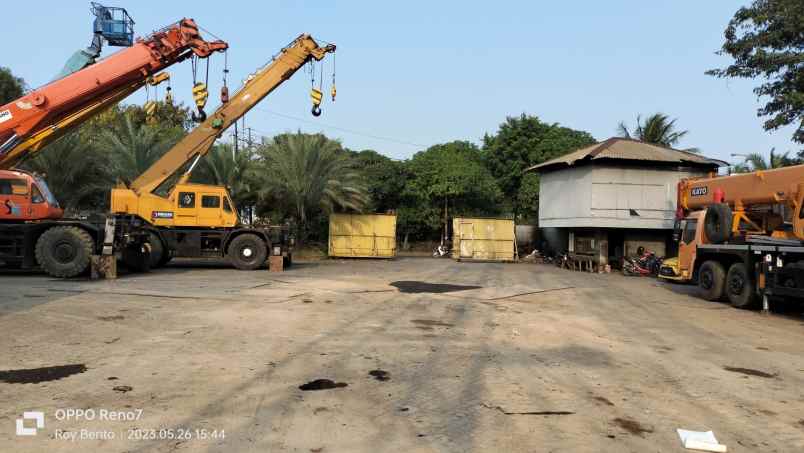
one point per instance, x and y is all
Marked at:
(25, 197)
(187, 205)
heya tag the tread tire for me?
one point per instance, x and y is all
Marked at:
(237, 256)
(712, 280)
(717, 223)
(64, 251)
(740, 289)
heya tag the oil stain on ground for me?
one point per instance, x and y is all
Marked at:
(111, 318)
(632, 426)
(414, 287)
(380, 375)
(322, 384)
(36, 375)
(749, 372)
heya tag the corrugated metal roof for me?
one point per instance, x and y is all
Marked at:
(627, 149)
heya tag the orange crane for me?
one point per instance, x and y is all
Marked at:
(32, 230)
(741, 236)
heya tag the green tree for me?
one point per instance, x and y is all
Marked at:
(756, 161)
(78, 174)
(385, 179)
(519, 143)
(306, 177)
(134, 147)
(11, 87)
(658, 129)
(450, 175)
(766, 40)
(223, 167)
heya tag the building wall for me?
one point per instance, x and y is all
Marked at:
(598, 196)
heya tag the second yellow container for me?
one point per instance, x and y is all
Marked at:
(483, 239)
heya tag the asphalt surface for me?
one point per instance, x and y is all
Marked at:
(414, 354)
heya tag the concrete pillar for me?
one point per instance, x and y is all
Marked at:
(602, 240)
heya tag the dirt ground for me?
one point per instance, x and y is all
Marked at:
(421, 355)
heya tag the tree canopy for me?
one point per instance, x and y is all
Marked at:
(658, 129)
(450, 174)
(521, 142)
(766, 40)
(11, 87)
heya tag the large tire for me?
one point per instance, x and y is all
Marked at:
(64, 251)
(740, 287)
(247, 252)
(711, 280)
(717, 223)
(158, 251)
(137, 258)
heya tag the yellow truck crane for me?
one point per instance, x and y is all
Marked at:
(742, 236)
(197, 220)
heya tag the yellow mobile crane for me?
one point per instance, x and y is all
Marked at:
(198, 220)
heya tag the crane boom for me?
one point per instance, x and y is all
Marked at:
(744, 191)
(197, 143)
(78, 95)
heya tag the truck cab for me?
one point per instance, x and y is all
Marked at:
(25, 196)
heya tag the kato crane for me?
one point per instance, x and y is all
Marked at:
(198, 220)
(32, 228)
(742, 236)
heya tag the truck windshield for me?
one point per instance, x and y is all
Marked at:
(51, 200)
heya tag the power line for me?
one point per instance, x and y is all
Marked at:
(342, 129)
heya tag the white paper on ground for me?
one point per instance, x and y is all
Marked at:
(698, 440)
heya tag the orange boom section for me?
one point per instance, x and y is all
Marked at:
(50, 104)
(752, 197)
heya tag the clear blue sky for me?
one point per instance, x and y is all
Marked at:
(429, 72)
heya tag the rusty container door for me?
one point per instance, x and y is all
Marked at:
(484, 239)
(362, 235)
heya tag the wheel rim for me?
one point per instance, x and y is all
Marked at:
(736, 284)
(706, 279)
(247, 254)
(64, 252)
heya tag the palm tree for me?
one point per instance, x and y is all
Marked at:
(657, 129)
(756, 161)
(308, 174)
(223, 167)
(77, 173)
(134, 147)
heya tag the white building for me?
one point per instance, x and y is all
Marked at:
(611, 197)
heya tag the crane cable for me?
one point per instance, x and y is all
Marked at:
(332, 90)
(315, 93)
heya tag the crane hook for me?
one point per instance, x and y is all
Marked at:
(316, 96)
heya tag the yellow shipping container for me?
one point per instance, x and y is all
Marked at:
(483, 239)
(362, 235)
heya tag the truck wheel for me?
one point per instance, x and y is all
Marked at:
(717, 223)
(247, 252)
(157, 250)
(137, 258)
(64, 251)
(740, 287)
(712, 279)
